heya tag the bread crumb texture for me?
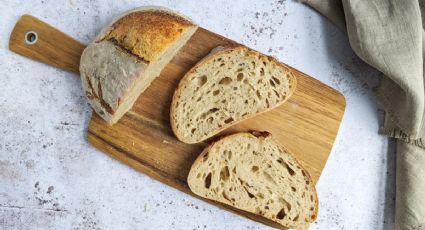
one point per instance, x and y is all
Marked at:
(255, 174)
(227, 87)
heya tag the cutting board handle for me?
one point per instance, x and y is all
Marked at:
(42, 42)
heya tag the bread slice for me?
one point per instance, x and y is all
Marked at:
(127, 56)
(230, 85)
(253, 173)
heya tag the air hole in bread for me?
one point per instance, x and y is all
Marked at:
(296, 218)
(293, 189)
(210, 120)
(239, 77)
(193, 130)
(228, 120)
(250, 195)
(260, 195)
(225, 196)
(290, 170)
(206, 157)
(266, 207)
(267, 103)
(234, 170)
(225, 81)
(302, 171)
(262, 72)
(202, 80)
(311, 197)
(205, 114)
(254, 168)
(245, 81)
(235, 88)
(208, 181)
(229, 155)
(276, 80)
(277, 94)
(259, 94)
(216, 92)
(281, 214)
(313, 216)
(288, 205)
(224, 173)
(199, 175)
(222, 64)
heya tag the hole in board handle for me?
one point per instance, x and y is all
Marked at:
(31, 37)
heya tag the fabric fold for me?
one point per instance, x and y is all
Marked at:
(389, 35)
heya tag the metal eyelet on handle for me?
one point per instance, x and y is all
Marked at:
(31, 37)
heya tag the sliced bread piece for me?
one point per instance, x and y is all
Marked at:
(253, 173)
(127, 56)
(231, 84)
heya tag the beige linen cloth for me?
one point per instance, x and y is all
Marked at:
(389, 35)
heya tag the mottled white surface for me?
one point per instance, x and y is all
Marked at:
(51, 178)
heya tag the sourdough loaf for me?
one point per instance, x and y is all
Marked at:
(253, 173)
(127, 56)
(229, 85)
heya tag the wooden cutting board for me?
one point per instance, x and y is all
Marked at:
(306, 124)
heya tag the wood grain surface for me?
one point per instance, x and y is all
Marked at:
(306, 124)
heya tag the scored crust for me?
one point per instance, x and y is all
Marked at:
(215, 53)
(127, 56)
(147, 31)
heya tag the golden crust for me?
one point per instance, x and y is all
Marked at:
(147, 34)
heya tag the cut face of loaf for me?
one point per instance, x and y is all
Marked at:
(254, 174)
(226, 87)
(128, 55)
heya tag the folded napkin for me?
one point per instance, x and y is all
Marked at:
(389, 35)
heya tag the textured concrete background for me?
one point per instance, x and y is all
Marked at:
(51, 178)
